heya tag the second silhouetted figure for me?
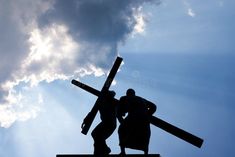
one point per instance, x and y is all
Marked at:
(134, 130)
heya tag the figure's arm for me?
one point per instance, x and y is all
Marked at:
(90, 115)
(151, 107)
(120, 118)
(86, 119)
(121, 112)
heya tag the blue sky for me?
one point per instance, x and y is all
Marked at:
(178, 54)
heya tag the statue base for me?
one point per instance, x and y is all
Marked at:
(111, 155)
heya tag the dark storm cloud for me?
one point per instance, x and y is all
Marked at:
(95, 20)
(98, 24)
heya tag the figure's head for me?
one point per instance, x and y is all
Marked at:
(130, 92)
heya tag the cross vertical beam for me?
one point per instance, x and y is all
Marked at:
(105, 88)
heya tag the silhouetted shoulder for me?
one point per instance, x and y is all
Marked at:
(151, 106)
(123, 99)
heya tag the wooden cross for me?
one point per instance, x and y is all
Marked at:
(186, 136)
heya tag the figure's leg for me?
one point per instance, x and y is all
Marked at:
(100, 134)
(123, 152)
(107, 130)
(99, 141)
(121, 135)
(146, 152)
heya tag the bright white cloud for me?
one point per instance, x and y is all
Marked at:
(140, 22)
(20, 107)
(191, 12)
(52, 55)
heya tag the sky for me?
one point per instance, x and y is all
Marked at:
(178, 54)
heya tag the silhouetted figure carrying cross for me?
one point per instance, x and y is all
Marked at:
(134, 130)
(107, 125)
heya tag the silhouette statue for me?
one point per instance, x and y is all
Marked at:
(107, 125)
(134, 130)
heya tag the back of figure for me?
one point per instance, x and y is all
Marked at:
(108, 109)
(134, 130)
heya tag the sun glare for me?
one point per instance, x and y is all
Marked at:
(40, 45)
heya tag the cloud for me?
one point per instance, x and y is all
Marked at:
(18, 106)
(190, 11)
(47, 40)
(97, 24)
